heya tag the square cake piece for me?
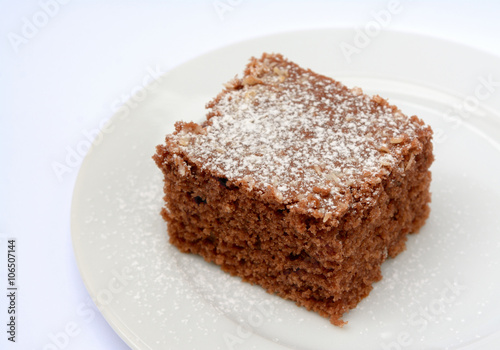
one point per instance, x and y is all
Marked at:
(298, 184)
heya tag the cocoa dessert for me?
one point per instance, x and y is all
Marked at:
(297, 184)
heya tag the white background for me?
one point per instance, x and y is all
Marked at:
(65, 67)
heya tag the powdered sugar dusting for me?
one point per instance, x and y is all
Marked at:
(298, 135)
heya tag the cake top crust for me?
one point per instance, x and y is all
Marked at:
(303, 138)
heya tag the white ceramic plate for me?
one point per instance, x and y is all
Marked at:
(442, 292)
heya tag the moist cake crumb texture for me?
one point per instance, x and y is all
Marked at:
(298, 184)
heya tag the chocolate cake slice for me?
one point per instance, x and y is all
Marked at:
(298, 184)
